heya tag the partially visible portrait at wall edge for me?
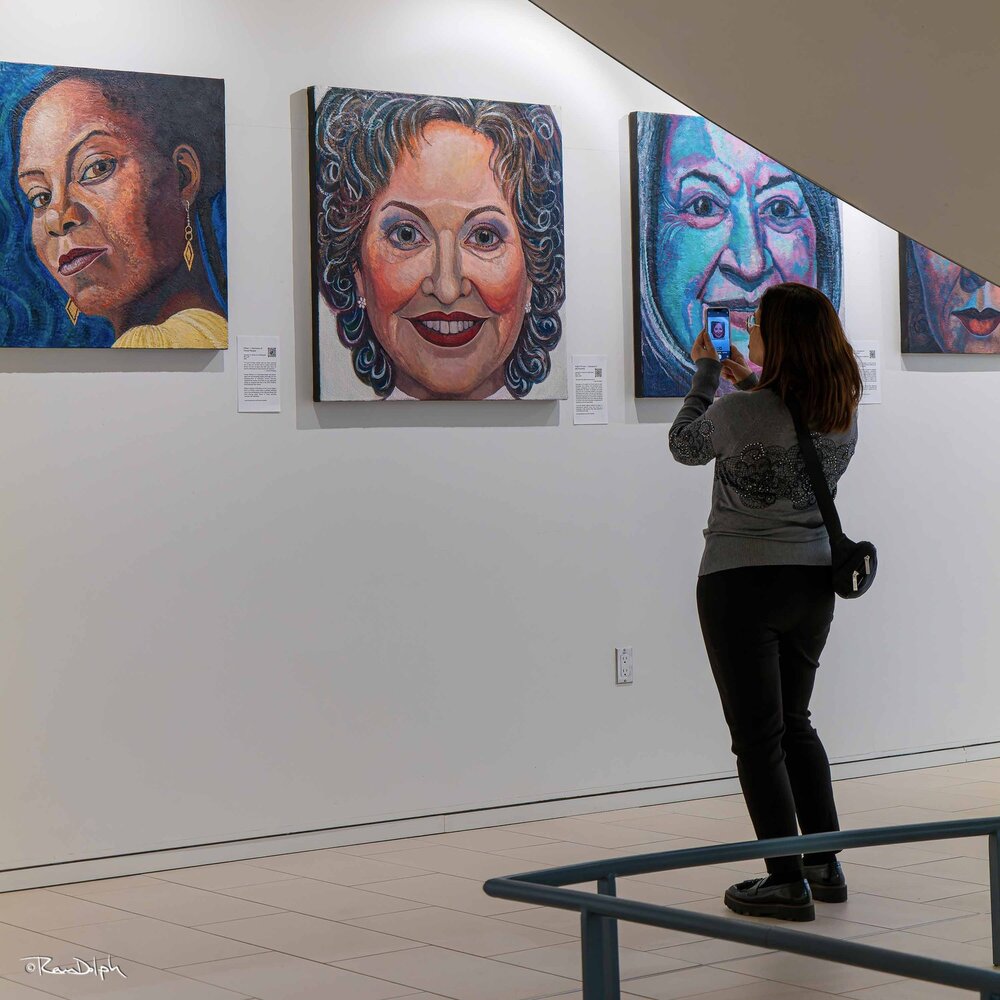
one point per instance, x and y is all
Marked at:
(945, 308)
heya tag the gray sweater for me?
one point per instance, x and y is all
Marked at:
(763, 509)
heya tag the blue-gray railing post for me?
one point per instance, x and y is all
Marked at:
(599, 949)
(606, 887)
(994, 852)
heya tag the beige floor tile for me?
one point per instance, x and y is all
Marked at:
(895, 855)
(724, 807)
(950, 800)
(44, 910)
(919, 944)
(454, 861)
(223, 876)
(322, 899)
(663, 846)
(910, 989)
(332, 866)
(960, 869)
(308, 937)
(492, 840)
(766, 990)
(272, 976)
(892, 914)
(957, 847)
(449, 891)
(17, 943)
(903, 885)
(809, 973)
(703, 881)
(559, 853)
(96, 888)
(182, 904)
(720, 831)
(823, 924)
(482, 936)
(582, 831)
(458, 976)
(565, 960)
(974, 902)
(986, 789)
(930, 777)
(373, 850)
(893, 816)
(547, 919)
(155, 942)
(968, 929)
(711, 951)
(692, 982)
(660, 895)
(15, 991)
(852, 797)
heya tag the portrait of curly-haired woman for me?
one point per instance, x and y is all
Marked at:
(438, 248)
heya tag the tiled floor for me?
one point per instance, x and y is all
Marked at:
(409, 918)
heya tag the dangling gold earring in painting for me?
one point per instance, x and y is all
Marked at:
(188, 237)
(73, 311)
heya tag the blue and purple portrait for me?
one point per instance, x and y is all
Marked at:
(112, 209)
(438, 248)
(715, 222)
(945, 308)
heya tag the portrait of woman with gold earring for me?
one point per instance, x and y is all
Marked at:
(118, 193)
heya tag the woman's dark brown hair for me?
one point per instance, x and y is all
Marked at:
(807, 356)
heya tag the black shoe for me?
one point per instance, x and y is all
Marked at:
(827, 882)
(755, 898)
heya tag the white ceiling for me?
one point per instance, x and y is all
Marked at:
(894, 105)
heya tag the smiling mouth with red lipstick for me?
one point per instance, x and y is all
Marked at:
(980, 323)
(447, 329)
(79, 258)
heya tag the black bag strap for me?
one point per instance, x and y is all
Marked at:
(820, 488)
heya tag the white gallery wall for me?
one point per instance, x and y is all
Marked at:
(216, 626)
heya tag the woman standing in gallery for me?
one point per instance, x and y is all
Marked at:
(765, 591)
(124, 175)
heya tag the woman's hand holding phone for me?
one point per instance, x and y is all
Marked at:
(736, 368)
(703, 347)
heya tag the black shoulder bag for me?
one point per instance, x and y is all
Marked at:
(854, 563)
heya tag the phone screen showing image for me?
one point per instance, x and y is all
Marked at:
(717, 324)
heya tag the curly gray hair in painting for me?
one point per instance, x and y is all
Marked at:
(359, 138)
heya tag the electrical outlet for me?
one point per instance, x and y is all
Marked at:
(624, 665)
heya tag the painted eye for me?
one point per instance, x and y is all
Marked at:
(406, 236)
(703, 207)
(40, 200)
(98, 170)
(484, 238)
(782, 210)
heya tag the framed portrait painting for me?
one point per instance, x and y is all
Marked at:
(944, 307)
(112, 209)
(438, 248)
(715, 222)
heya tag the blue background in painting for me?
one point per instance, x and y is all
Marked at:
(32, 305)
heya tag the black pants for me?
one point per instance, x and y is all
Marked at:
(764, 629)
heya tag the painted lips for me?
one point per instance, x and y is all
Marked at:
(980, 323)
(79, 258)
(447, 329)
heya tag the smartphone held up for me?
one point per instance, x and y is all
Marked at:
(717, 325)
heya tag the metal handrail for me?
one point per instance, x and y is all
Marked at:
(600, 912)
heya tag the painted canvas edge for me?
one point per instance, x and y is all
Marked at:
(633, 163)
